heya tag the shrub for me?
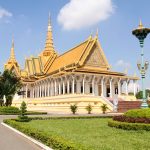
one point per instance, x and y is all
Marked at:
(104, 108)
(131, 94)
(89, 108)
(23, 109)
(9, 110)
(138, 113)
(129, 126)
(51, 140)
(74, 108)
(139, 95)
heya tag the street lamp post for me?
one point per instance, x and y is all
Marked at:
(141, 32)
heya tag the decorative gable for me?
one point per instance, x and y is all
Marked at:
(96, 58)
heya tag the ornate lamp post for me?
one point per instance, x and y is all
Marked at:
(141, 33)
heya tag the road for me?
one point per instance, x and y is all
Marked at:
(9, 140)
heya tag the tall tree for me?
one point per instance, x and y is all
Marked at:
(10, 84)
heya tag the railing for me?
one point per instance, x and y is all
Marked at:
(106, 100)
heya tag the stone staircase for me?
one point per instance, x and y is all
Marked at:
(124, 106)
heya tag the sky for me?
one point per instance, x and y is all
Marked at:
(72, 22)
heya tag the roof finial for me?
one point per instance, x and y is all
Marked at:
(13, 41)
(12, 52)
(90, 37)
(97, 33)
(49, 46)
(49, 23)
(140, 24)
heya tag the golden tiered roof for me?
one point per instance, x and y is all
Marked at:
(77, 56)
(87, 57)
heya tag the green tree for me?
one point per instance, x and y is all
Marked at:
(89, 108)
(10, 84)
(139, 95)
(23, 109)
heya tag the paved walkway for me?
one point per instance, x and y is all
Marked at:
(10, 140)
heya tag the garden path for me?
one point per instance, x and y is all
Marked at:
(9, 140)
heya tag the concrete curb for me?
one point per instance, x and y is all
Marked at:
(44, 147)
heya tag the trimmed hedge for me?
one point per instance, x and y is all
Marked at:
(9, 110)
(129, 126)
(138, 113)
(70, 117)
(53, 141)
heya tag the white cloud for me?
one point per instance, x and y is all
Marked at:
(4, 13)
(78, 14)
(121, 63)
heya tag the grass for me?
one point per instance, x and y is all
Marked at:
(93, 133)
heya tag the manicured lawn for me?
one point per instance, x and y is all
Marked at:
(93, 133)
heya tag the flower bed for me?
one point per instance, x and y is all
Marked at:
(123, 118)
(137, 119)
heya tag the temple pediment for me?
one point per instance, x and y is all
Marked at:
(96, 58)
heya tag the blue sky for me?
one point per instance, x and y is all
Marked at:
(27, 20)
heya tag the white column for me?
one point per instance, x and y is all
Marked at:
(26, 90)
(83, 84)
(93, 85)
(72, 85)
(48, 93)
(40, 90)
(45, 88)
(33, 91)
(51, 89)
(37, 91)
(127, 87)
(63, 86)
(134, 86)
(59, 87)
(102, 87)
(68, 86)
(119, 87)
(55, 88)
(110, 81)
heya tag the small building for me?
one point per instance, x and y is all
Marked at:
(81, 76)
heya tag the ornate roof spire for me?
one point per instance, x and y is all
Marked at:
(12, 52)
(97, 33)
(140, 25)
(49, 45)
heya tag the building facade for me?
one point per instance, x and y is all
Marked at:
(81, 76)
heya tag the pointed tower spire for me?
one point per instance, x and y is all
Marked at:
(49, 45)
(97, 33)
(12, 63)
(12, 51)
(140, 25)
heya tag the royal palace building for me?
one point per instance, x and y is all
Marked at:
(81, 76)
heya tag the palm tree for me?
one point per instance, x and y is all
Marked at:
(74, 108)
(89, 108)
(10, 84)
(104, 108)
